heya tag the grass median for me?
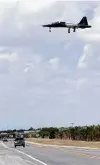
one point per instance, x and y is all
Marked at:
(65, 142)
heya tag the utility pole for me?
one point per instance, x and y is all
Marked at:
(72, 124)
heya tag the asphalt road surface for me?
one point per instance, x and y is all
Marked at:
(40, 155)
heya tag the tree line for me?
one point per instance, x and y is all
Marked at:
(82, 133)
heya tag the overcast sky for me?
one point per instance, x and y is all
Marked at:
(48, 79)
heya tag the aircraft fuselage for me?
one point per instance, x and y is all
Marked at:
(67, 26)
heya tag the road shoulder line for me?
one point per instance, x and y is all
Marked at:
(31, 157)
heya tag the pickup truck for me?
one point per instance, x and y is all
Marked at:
(19, 142)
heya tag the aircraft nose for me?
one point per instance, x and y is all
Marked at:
(44, 25)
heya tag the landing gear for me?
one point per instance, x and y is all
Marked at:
(68, 30)
(49, 29)
(74, 30)
(24, 145)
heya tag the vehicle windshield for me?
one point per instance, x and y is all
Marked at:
(19, 139)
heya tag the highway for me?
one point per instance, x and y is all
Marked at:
(40, 155)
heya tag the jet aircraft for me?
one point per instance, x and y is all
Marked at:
(83, 24)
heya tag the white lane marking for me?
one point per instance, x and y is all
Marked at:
(4, 145)
(14, 157)
(37, 160)
(13, 160)
(30, 162)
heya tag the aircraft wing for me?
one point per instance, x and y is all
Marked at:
(68, 25)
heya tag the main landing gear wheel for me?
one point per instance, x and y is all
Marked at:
(49, 29)
(74, 30)
(69, 30)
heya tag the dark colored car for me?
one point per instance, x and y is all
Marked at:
(5, 140)
(19, 142)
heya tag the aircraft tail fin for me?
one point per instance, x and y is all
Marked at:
(83, 21)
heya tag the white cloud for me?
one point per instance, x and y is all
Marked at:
(55, 62)
(10, 57)
(93, 35)
(28, 67)
(86, 57)
(33, 6)
(7, 61)
(81, 83)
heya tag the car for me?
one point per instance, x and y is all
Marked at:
(5, 140)
(19, 141)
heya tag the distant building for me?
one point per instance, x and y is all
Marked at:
(29, 131)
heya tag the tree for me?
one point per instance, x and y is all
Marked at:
(49, 132)
(31, 129)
